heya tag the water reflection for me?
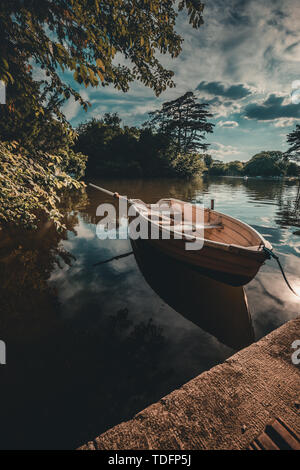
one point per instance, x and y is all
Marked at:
(217, 308)
(289, 211)
(89, 346)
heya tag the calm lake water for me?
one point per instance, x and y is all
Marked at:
(89, 344)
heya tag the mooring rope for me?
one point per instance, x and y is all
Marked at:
(271, 254)
(114, 258)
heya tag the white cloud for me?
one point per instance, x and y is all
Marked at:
(230, 124)
(71, 109)
(252, 43)
(284, 123)
(221, 151)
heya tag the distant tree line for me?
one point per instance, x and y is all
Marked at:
(266, 163)
(170, 143)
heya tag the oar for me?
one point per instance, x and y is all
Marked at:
(110, 193)
(116, 196)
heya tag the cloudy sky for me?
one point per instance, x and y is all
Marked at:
(244, 61)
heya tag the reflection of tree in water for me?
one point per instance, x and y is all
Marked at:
(264, 190)
(288, 213)
(27, 258)
(68, 378)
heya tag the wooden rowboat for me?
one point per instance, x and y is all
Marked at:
(232, 251)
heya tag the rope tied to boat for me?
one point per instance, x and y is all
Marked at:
(270, 255)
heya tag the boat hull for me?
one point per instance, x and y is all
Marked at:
(232, 251)
(215, 307)
(230, 267)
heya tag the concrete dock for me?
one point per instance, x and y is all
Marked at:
(223, 408)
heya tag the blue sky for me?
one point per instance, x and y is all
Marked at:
(243, 61)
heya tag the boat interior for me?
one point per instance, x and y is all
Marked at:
(179, 216)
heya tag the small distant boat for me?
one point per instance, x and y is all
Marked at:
(232, 252)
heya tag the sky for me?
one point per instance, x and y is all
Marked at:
(244, 61)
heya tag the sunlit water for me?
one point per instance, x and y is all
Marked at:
(89, 346)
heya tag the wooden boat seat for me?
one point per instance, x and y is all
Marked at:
(206, 227)
(170, 222)
(194, 228)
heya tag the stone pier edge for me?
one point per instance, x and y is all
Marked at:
(223, 408)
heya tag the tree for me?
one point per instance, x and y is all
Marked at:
(234, 168)
(84, 37)
(185, 121)
(112, 119)
(293, 169)
(218, 168)
(187, 165)
(266, 163)
(208, 160)
(294, 140)
(42, 39)
(116, 150)
(30, 185)
(293, 154)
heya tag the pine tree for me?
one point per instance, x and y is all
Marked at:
(294, 140)
(184, 120)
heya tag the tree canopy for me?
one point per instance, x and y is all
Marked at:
(118, 150)
(184, 120)
(42, 44)
(89, 38)
(31, 184)
(267, 163)
(294, 140)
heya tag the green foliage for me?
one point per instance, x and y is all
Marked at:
(208, 160)
(84, 37)
(129, 151)
(218, 168)
(293, 169)
(111, 149)
(266, 164)
(293, 139)
(188, 165)
(30, 184)
(234, 168)
(184, 121)
(42, 38)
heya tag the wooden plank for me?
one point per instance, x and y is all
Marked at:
(254, 446)
(286, 434)
(266, 442)
(277, 436)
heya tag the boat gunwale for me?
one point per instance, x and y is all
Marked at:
(212, 243)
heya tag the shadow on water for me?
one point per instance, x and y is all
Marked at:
(217, 308)
(67, 379)
(77, 363)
